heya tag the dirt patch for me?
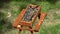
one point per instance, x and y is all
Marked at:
(52, 18)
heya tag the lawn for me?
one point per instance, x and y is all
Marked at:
(51, 24)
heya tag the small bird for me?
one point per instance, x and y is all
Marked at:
(30, 12)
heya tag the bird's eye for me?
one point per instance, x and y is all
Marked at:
(36, 9)
(30, 6)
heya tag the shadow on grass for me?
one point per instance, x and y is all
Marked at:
(5, 25)
(3, 1)
(52, 1)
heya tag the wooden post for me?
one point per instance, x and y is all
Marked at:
(19, 31)
(31, 32)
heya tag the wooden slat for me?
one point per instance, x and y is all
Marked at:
(40, 21)
(26, 29)
(19, 18)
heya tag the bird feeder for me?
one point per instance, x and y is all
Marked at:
(27, 17)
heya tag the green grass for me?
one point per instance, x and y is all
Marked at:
(45, 5)
(56, 16)
(50, 30)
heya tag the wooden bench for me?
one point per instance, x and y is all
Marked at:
(27, 18)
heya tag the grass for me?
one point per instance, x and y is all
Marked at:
(45, 5)
(15, 8)
(51, 30)
(56, 16)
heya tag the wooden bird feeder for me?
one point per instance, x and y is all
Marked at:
(27, 17)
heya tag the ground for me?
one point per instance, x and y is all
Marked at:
(50, 25)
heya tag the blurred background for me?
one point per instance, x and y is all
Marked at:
(10, 9)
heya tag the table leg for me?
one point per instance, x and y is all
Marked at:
(20, 31)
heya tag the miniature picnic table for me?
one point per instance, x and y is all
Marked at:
(27, 17)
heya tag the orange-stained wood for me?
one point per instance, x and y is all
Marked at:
(26, 29)
(19, 18)
(39, 10)
(19, 23)
(24, 23)
(37, 26)
(40, 21)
